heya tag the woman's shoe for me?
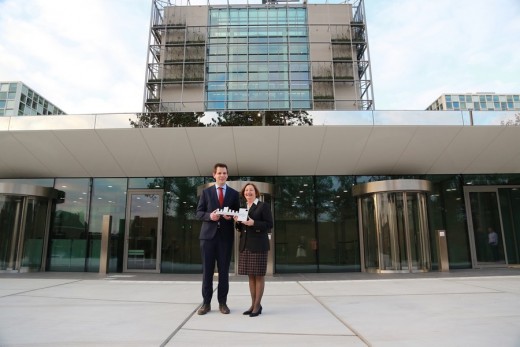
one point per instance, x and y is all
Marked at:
(254, 314)
(248, 312)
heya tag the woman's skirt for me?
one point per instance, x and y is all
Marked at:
(252, 263)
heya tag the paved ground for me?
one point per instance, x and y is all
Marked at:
(457, 308)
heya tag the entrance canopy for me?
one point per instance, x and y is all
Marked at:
(106, 146)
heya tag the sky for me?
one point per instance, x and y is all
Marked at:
(89, 57)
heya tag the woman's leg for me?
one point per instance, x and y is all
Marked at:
(259, 292)
(252, 290)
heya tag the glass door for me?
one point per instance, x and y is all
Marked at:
(24, 229)
(485, 226)
(143, 231)
(510, 210)
(417, 232)
(10, 230)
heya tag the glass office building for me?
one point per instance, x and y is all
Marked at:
(354, 189)
(258, 57)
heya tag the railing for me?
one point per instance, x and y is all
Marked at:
(319, 118)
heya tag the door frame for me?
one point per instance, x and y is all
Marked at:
(471, 232)
(129, 194)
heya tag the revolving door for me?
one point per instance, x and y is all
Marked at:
(393, 226)
(24, 226)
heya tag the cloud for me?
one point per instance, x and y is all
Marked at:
(420, 49)
(84, 56)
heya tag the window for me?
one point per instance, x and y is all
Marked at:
(254, 54)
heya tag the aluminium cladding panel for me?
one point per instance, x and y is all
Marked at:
(187, 15)
(185, 96)
(329, 22)
(28, 190)
(329, 14)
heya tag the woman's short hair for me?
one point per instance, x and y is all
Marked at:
(257, 192)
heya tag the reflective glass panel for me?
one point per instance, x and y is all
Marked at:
(144, 230)
(338, 237)
(34, 234)
(295, 239)
(68, 235)
(181, 228)
(487, 231)
(510, 209)
(108, 198)
(10, 221)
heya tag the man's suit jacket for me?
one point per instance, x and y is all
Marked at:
(208, 203)
(255, 238)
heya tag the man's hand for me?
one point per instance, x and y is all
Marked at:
(214, 216)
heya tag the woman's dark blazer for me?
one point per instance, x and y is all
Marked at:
(255, 238)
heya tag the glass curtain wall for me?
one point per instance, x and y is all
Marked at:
(181, 228)
(314, 223)
(337, 229)
(295, 225)
(108, 198)
(510, 210)
(69, 237)
(446, 211)
(258, 59)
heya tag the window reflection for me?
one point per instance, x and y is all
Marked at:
(68, 235)
(295, 239)
(337, 224)
(180, 242)
(260, 36)
(108, 198)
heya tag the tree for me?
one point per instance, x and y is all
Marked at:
(252, 118)
(514, 121)
(168, 120)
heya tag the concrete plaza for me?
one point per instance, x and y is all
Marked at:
(478, 307)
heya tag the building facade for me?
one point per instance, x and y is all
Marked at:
(476, 102)
(17, 99)
(258, 57)
(353, 190)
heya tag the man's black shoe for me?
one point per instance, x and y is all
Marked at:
(223, 308)
(205, 308)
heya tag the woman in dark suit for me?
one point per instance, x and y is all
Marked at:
(254, 245)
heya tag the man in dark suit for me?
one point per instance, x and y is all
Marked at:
(216, 237)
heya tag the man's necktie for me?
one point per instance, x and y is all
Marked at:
(221, 196)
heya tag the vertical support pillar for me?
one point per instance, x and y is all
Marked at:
(442, 250)
(104, 255)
